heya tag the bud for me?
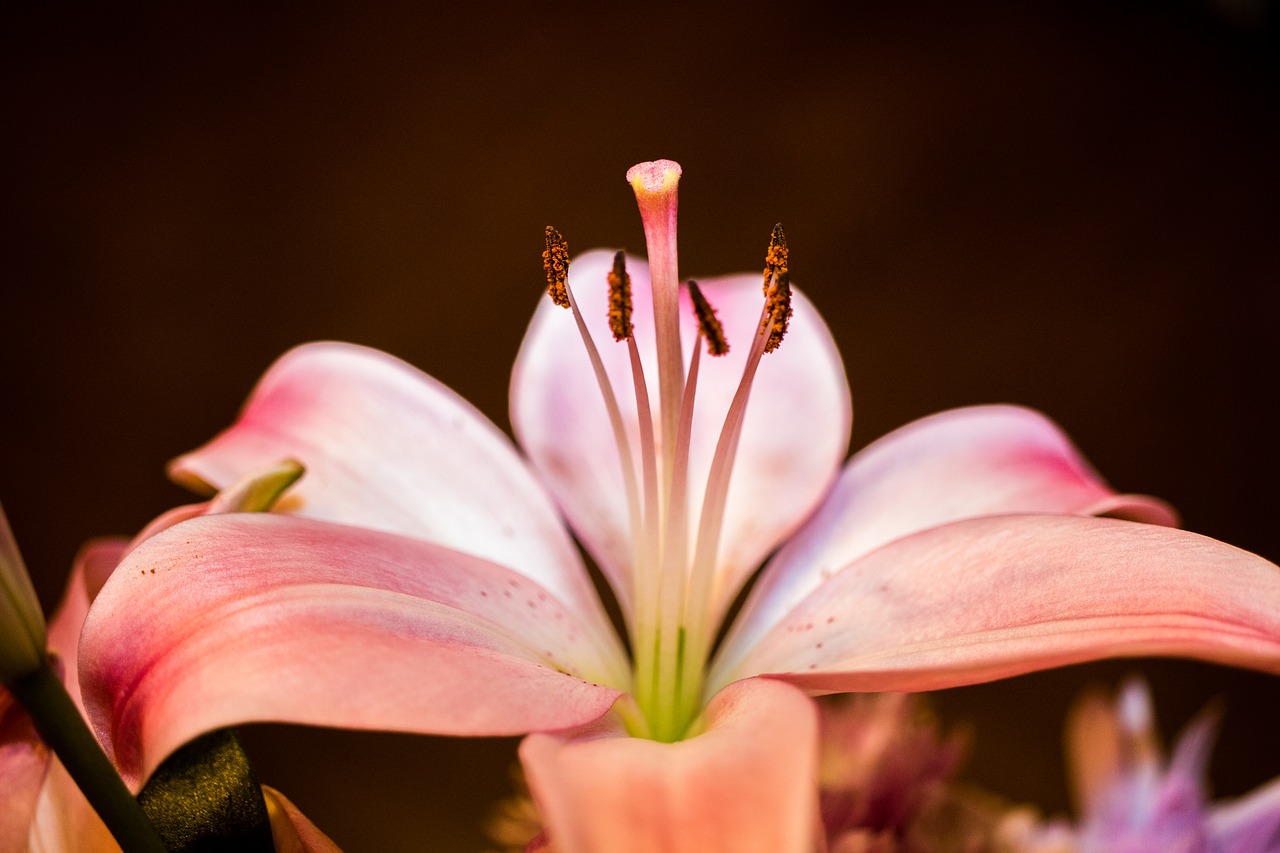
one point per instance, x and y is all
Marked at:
(23, 637)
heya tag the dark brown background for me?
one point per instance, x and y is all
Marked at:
(1071, 206)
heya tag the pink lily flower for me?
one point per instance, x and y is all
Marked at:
(423, 580)
(43, 810)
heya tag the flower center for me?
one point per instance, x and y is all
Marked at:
(673, 623)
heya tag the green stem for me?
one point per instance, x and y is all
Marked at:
(59, 723)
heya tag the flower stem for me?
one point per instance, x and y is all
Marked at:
(60, 725)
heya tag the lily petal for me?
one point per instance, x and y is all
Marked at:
(994, 597)
(291, 830)
(389, 448)
(1093, 749)
(1250, 824)
(963, 463)
(269, 617)
(600, 790)
(795, 434)
(24, 761)
(94, 563)
(43, 806)
(64, 820)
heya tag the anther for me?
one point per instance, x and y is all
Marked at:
(775, 259)
(778, 308)
(555, 262)
(620, 299)
(717, 344)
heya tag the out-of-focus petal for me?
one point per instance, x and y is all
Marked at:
(963, 463)
(795, 434)
(993, 597)
(1093, 749)
(231, 618)
(64, 819)
(746, 784)
(1250, 824)
(291, 831)
(389, 448)
(24, 761)
(94, 563)
(1190, 760)
(46, 810)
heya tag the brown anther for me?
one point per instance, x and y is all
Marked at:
(708, 322)
(775, 259)
(779, 311)
(555, 262)
(620, 299)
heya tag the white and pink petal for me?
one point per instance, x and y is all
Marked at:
(998, 596)
(794, 437)
(269, 617)
(962, 463)
(389, 448)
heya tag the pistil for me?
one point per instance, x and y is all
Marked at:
(655, 184)
(674, 591)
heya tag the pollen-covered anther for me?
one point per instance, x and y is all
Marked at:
(555, 262)
(778, 310)
(620, 299)
(776, 258)
(708, 322)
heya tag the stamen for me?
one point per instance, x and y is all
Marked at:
(620, 299)
(646, 526)
(704, 597)
(708, 322)
(776, 258)
(555, 262)
(778, 309)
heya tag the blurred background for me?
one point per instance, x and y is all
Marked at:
(1067, 205)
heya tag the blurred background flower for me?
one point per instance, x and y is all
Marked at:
(1133, 798)
(1065, 205)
